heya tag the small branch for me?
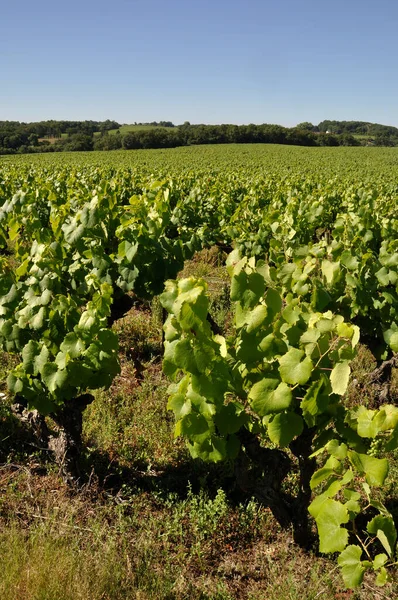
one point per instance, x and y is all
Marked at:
(214, 327)
(363, 546)
(383, 373)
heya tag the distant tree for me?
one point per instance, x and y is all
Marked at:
(385, 140)
(306, 126)
(78, 142)
(131, 141)
(33, 139)
(300, 137)
(346, 139)
(327, 139)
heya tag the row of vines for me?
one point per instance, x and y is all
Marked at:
(313, 268)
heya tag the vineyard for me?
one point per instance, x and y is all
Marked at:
(260, 277)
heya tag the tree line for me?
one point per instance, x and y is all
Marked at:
(69, 136)
(379, 135)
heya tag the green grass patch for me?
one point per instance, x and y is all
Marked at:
(123, 129)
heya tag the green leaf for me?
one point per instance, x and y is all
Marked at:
(331, 467)
(283, 427)
(382, 577)
(351, 494)
(83, 377)
(332, 537)
(193, 424)
(14, 384)
(256, 317)
(391, 338)
(109, 340)
(351, 566)
(127, 250)
(72, 232)
(314, 402)
(374, 469)
(331, 271)
(203, 355)
(180, 405)
(270, 396)
(332, 488)
(384, 528)
(383, 276)
(192, 304)
(37, 321)
(349, 261)
(23, 268)
(293, 369)
(379, 561)
(336, 449)
(72, 345)
(53, 377)
(247, 289)
(345, 330)
(392, 442)
(179, 349)
(62, 360)
(320, 297)
(273, 301)
(367, 426)
(229, 419)
(184, 356)
(210, 449)
(232, 447)
(339, 377)
(169, 296)
(387, 417)
(249, 350)
(29, 354)
(271, 346)
(41, 359)
(285, 274)
(87, 321)
(291, 314)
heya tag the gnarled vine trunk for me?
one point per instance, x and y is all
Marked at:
(261, 471)
(65, 442)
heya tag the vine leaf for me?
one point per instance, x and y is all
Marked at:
(53, 377)
(351, 565)
(284, 427)
(339, 377)
(384, 528)
(270, 396)
(293, 369)
(314, 402)
(332, 537)
(374, 469)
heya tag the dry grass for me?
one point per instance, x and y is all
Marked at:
(93, 546)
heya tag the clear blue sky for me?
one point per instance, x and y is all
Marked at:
(206, 61)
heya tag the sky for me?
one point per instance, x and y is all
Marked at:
(203, 61)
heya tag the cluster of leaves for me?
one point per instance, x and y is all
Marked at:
(353, 271)
(62, 338)
(56, 305)
(283, 371)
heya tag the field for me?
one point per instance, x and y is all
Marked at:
(131, 128)
(145, 519)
